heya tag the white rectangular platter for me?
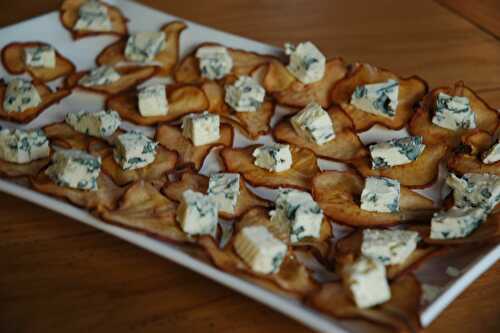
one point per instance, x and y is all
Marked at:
(470, 262)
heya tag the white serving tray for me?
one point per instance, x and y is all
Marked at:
(470, 262)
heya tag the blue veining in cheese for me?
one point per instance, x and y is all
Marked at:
(389, 246)
(224, 188)
(19, 146)
(197, 214)
(274, 157)
(215, 62)
(99, 124)
(307, 63)
(144, 46)
(396, 152)
(245, 95)
(456, 222)
(40, 56)
(377, 98)
(75, 169)
(314, 124)
(134, 150)
(93, 16)
(300, 211)
(475, 190)
(100, 76)
(381, 195)
(453, 112)
(20, 96)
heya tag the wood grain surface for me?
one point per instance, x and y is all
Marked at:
(58, 275)
(485, 14)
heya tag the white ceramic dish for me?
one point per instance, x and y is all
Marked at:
(471, 264)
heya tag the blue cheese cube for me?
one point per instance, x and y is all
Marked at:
(134, 150)
(215, 62)
(456, 222)
(299, 210)
(201, 128)
(307, 63)
(18, 146)
(93, 16)
(99, 124)
(224, 188)
(245, 95)
(197, 214)
(20, 96)
(380, 99)
(273, 157)
(259, 249)
(366, 281)
(314, 124)
(153, 101)
(75, 169)
(100, 76)
(475, 190)
(391, 247)
(144, 46)
(381, 194)
(396, 152)
(492, 155)
(453, 112)
(40, 57)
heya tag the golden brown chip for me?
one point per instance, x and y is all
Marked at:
(106, 196)
(156, 171)
(469, 159)
(114, 53)
(188, 154)
(348, 249)
(181, 101)
(292, 275)
(48, 99)
(463, 163)
(280, 230)
(68, 14)
(300, 175)
(338, 194)
(244, 62)
(64, 136)
(487, 119)
(488, 231)
(345, 146)
(401, 312)
(418, 174)
(199, 183)
(291, 92)
(131, 76)
(251, 124)
(476, 141)
(142, 207)
(411, 90)
(13, 60)
(14, 170)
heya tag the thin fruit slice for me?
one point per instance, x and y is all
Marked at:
(14, 63)
(345, 146)
(300, 175)
(338, 194)
(167, 58)
(411, 90)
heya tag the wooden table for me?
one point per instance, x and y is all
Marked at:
(60, 276)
